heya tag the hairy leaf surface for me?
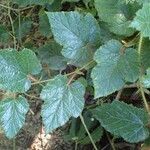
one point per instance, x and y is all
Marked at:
(123, 120)
(13, 115)
(15, 68)
(115, 66)
(116, 14)
(78, 34)
(61, 101)
(142, 20)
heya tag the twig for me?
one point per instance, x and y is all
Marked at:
(71, 79)
(111, 142)
(134, 85)
(119, 94)
(19, 22)
(76, 146)
(14, 9)
(74, 73)
(92, 141)
(7, 7)
(12, 25)
(30, 96)
(31, 111)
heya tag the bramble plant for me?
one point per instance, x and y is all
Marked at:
(106, 41)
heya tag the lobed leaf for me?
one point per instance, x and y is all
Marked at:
(78, 34)
(142, 20)
(117, 17)
(12, 115)
(61, 101)
(115, 65)
(15, 68)
(123, 120)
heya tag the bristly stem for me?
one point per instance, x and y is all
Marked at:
(140, 77)
(92, 141)
(74, 73)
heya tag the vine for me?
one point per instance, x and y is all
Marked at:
(80, 64)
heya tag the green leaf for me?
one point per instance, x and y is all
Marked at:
(31, 2)
(129, 1)
(142, 20)
(78, 133)
(143, 1)
(70, 1)
(93, 126)
(55, 6)
(146, 79)
(118, 17)
(24, 28)
(96, 136)
(78, 34)
(115, 65)
(139, 1)
(123, 120)
(61, 101)
(50, 54)
(44, 26)
(13, 115)
(15, 68)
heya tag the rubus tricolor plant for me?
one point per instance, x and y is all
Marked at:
(108, 44)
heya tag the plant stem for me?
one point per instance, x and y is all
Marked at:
(140, 46)
(140, 78)
(111, 142)
(14, 144)
(13, 9)
(74, 73)
(71, 79)
(7, 7)
(119, 94)
(40, 82)
(77, 71)
(76, 146)
(12, 25)
(144, 98)
(92, 141)
(19, 23)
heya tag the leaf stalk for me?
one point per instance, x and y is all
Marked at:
(140, 77)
